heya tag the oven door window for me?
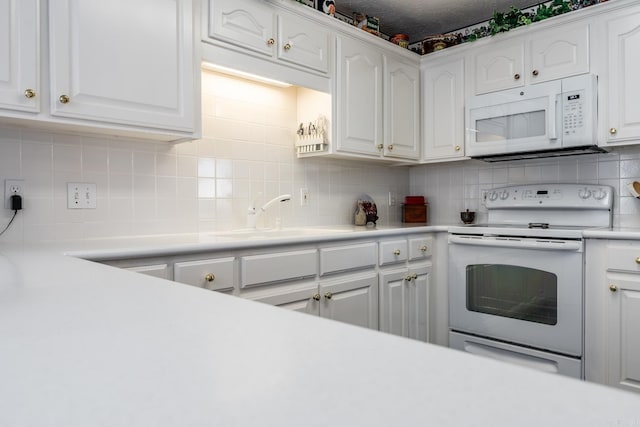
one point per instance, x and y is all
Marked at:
(512, 291)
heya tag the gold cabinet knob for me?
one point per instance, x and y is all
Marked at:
(423, 249)
(516, 76)
(30, 93)
(535, 72)
(457, 148)
(408, 278)
(316, 297)
(328, 295)
(64, 99)
(638, 260)
(271, 41)
(380, 146)
(209, 277)
(411, 277)
(613, 131)
(613, 288)
(288, 46)
(390, 147)
(396, 252)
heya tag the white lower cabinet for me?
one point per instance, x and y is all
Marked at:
(352, 299)
(404, 302)
(612, 324)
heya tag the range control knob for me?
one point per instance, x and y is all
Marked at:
(493, 196)
(504, 195)
(600, 194)
(585, 193)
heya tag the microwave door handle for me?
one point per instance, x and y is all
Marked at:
(553, 102)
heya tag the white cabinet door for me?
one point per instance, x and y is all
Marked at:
(248, 24)
(352, 299)
(623, 108)
(404, 302)
(401, 109)
(558, 53)
(19, 55)
(538, 56)
(624, 331)
(123, 61)
(443, 109)
(303, 43)
(359, 98)
(499, 66)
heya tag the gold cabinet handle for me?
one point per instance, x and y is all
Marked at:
(30, 93)
(271, 41)
(535, 72)
(516, 76)
(380, 146)
(64, 99)
(411, 277)
(638, 260)
(396, 252)
(408, 278)
(209, 277)
(316, 297)
(390, 147)
(457, 148)
(328, 295)
(423, 249)
(613, 131)
(288, 46)
(613, 288)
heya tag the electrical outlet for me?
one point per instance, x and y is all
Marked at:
(304, 196)
(483, 197)
(11, 187)
(81, 195)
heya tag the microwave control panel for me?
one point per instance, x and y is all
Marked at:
(573, 113)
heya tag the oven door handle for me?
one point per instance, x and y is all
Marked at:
(554, 245)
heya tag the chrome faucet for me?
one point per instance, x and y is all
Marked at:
(253, 213)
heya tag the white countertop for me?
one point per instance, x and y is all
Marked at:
(83, 344)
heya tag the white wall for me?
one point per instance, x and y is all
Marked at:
(206, 185)
(456, 186)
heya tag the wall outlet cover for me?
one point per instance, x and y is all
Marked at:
(81, 195)
(11, 187)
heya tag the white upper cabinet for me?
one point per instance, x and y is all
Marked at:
(443, 108)
(549, 54)
(262, 29)
(401, 109)
(125, 62)
(359, 98)
(19, 55)
(378, 102)
(621, 113)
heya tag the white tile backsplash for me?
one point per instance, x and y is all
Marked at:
(246, 154)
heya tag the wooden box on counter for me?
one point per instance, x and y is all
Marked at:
(414, 213)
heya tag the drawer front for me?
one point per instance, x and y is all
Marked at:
(159, 270)
(214, 274)
(344, 258)
(420, 248)
(277, 267)
(623, 256)
(393, 251)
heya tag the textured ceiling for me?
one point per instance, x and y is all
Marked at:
(421, 18)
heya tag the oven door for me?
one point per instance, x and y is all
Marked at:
(526, 291)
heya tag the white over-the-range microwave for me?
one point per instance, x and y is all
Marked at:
(554, 118)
